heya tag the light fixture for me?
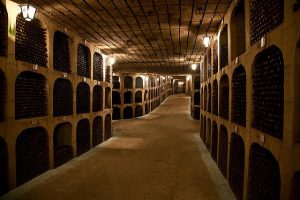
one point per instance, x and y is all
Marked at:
(194, 66)
(206, 41)
(28, 11)
(111, 60)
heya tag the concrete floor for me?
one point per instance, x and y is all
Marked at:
(155, 157)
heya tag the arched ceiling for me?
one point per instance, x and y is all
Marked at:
(149, 36)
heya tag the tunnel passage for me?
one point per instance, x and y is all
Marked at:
(83, 61)
(214, 143)
(62, 144)
(97, 67)
(223, 150)
(32, 154)
(62, 97)
(83, 136)
(97, 98)
(127, 112)
(138, 111)
(264, 174)
(4, 184)
(97, 136)
(138, 97)
(224, 97)
(116, 113)
(61, 52)
(107, 123)
(236, 165)
(82, 98)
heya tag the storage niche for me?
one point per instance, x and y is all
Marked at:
(30, 95)
(214, 143)
(97, 131)
(197, 82)
(268, 91)
(209, 98)
(215, 98)
(139, 83)
(83, 98)
(127, 112)
(107, 73)
(128, 82)
(128, 96)
(97, 98)
(238, 107)
(62, 143)
(196, 113)
(224, 97)
(138, 97)
(116, 113)
(236, 165)
(116, 98)
(4, 185)
(224, 47)
(3, 30)
(28, 35)
(61, 52)
(107, 133)
(138, 111)
(32, 154)
(83, 61)
(97, 67)
(223, 150)
(208, 134)
(215, 57)
(116, 82)
(2, 96)
(197, 98)
(83, 136)
(107, 98)
(62, 97)
(264, 175)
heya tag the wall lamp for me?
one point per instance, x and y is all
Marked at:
(28, 11)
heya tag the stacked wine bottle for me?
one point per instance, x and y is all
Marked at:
(83, 98)
(268, 92)
(265, 16)
(97, 131)
(2, 96)
(215, 57)
(3, 30)
(30, 95)
(98, 67)
(107, 74)
(138, 111)
(97, 98)
(209, 99)
(238, 109)
(62, 154)
(107, 126)
(4, 186)
(62, 98)
(61, 52)
(30, 43)
(83, 136)
(215, 98)
(83, 61)
(224, 97)
(209, 68)
(214, 144)
(223, 150)
(223, 55)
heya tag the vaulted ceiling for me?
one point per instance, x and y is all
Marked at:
(150, 36)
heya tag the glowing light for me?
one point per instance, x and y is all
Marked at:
(28, 11)
(111, 60)
(206, 41)
(194, 66)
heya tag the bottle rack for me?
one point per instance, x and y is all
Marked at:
(215, 57)
(128, 97)
(224, 47)
(214, 144)
(236, 165)
(97, 98)
(107, 74)
(98, 67)
(107, 131)
(223, 150)
(116, 83)
(62, 98)
(30, 95)
(83, 98)
(238, 110)
(107, 98)
(127, 112)
(4, 186)
(61, 52)
(224, 97)
(138, 97)
(116, 98)
(28, 34)
(209, 98)
(138, 111)
(83, 61)
(128, 82)
(207, 132)
(3, 30)
(205, 99)
(97, 131)
(83, 136)
(215, 97)
(2, 96)
(32, 154)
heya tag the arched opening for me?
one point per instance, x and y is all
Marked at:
(215, 98)
(296, 185)
(265, 16)
(237, 32)
(214, 142)
(297, 94)
(97, 131)
(62, 144)
(268, 91)
(127, 112)
(264, 174)
(97, 98)
(107, 73)
(2, 96)
(107, 122)
(116, 113)
(197, 98)
(97, 67)
(215, 57)
(116, 82)
(116, 98)
(238, 107)
(3, 30)
(146, 109)
(30, 95)
(4, 185)
(209, 98)
(107, 98)
(205, 98)
(83, 98)
(208, 134)
(128, 82)
(196, 113)
(139, 83)
(128, 97)
(236, 165)
(146, 95)
(197, 82)
(28, 34)
(32, 154)
(61, 52)
(224, 97)
(83, 136)
(138, 97)
(224, 47)
(223, 150)
(83, 61)
(62, 97)
(138, 111)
